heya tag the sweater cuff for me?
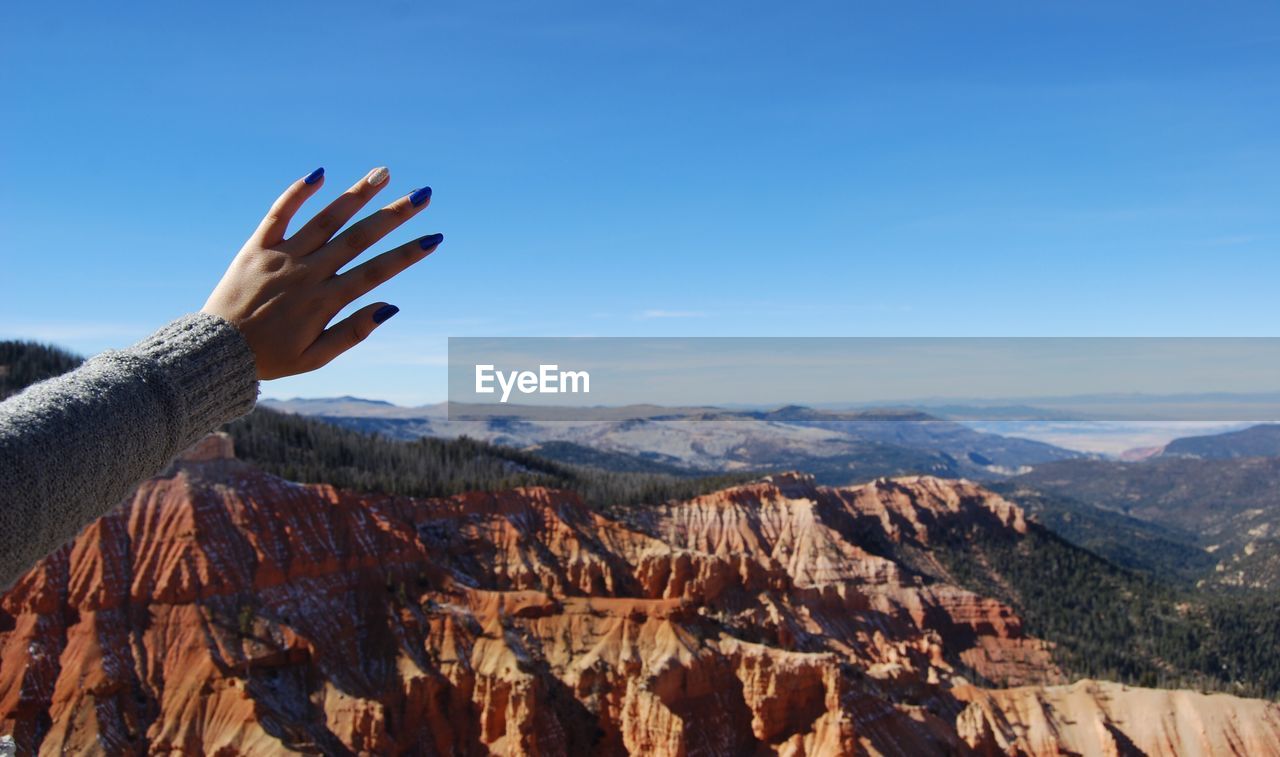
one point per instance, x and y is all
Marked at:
(210, 367)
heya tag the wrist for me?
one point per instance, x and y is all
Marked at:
(209, 366)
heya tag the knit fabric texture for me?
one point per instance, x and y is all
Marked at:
(74, 446)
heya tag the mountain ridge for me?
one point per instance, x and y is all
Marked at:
(1262, 440)
(843, 447)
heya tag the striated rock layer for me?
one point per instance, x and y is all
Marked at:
(1103, 718)
(225, 611)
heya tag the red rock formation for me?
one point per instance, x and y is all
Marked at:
(1103, 718)
(222, 610)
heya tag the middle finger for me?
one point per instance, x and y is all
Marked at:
(368, 230)
(327, 222)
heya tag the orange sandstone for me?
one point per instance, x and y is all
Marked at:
(223, 610)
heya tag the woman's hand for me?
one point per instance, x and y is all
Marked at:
(281, 293)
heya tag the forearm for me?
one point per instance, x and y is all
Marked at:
(74, 446)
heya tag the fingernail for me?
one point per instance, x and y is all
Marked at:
(420, 196)
(314, 176)
(384, 312)
(430, 241)
(378, 176)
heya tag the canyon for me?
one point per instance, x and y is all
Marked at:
(223, 610)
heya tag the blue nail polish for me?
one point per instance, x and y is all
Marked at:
(384, 312)
(430, 241)
(420, 196)
(314, 176)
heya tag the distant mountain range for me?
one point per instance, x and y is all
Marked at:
(837, 447)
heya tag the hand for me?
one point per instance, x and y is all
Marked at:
(281, 293)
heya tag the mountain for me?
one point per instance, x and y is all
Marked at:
(1229, 507)
(838, 447)
(222, 609)
(1256, 441)
(989, 453)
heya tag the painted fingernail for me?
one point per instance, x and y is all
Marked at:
(314, 176)
(420, 196)
(385, 312)
(430, 241)
(378, 176)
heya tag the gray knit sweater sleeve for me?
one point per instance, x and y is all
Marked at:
(74, 446)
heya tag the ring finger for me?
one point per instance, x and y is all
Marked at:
(369, 274)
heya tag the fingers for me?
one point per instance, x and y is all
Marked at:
(320, 229)
(368, 230)
(346, 334)
(274, 225)
(364, 277)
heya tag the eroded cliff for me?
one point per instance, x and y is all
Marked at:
(222, 610)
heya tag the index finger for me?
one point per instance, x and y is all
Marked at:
(272, 229)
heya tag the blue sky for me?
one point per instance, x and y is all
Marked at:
(656, 168)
